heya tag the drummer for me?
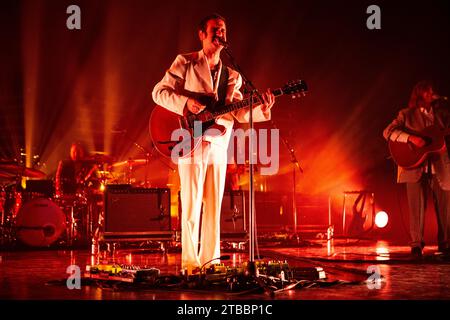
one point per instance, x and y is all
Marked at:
(73, 174)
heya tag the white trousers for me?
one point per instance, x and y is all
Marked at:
(202, 179)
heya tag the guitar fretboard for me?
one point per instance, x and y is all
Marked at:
(242, 104)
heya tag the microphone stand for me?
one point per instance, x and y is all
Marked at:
(296, 164)
(148, 155)
(252, 216)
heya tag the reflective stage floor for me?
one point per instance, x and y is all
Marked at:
(27, 274)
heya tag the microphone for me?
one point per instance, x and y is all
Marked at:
(221, 41)
(438, 97)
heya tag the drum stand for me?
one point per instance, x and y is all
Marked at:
(71, 223)
(3, 216)
(4, 230)
(93, 232)
(72, 234)
(12, 200)
(148, 156)
(76, 217)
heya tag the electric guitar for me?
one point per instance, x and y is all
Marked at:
(409, 156)
(164, 122)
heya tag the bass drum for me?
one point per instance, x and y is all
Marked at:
(40, 222)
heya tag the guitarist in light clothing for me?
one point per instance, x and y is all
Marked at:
(433, 174)
(202, 176)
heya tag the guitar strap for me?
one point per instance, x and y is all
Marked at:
(222, 89)
(429, 170)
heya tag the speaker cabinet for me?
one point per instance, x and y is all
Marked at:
(137, 213)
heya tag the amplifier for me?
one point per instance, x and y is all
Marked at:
(137, 213)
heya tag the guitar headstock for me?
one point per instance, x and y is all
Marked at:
(295, 88)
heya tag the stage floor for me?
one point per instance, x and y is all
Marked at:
(40, 274)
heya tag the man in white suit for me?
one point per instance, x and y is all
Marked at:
(202, 176)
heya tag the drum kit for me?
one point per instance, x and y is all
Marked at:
(42, 214)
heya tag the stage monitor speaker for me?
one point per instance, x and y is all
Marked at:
(137, 213)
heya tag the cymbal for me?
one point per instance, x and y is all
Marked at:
(100, 158)
(6, 176)
(14, 169)
(130, 163)
(105, 174)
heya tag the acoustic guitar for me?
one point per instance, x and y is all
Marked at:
(409, 156)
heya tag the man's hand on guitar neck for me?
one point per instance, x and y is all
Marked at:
(194, 106)
(417, 141)
(268, 101)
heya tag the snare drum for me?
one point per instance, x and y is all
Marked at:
(40, 222)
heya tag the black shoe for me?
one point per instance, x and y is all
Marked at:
(416, 252)
(445, 252)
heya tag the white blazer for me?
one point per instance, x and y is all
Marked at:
(191, 72)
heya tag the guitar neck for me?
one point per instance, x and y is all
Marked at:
(254, 100)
